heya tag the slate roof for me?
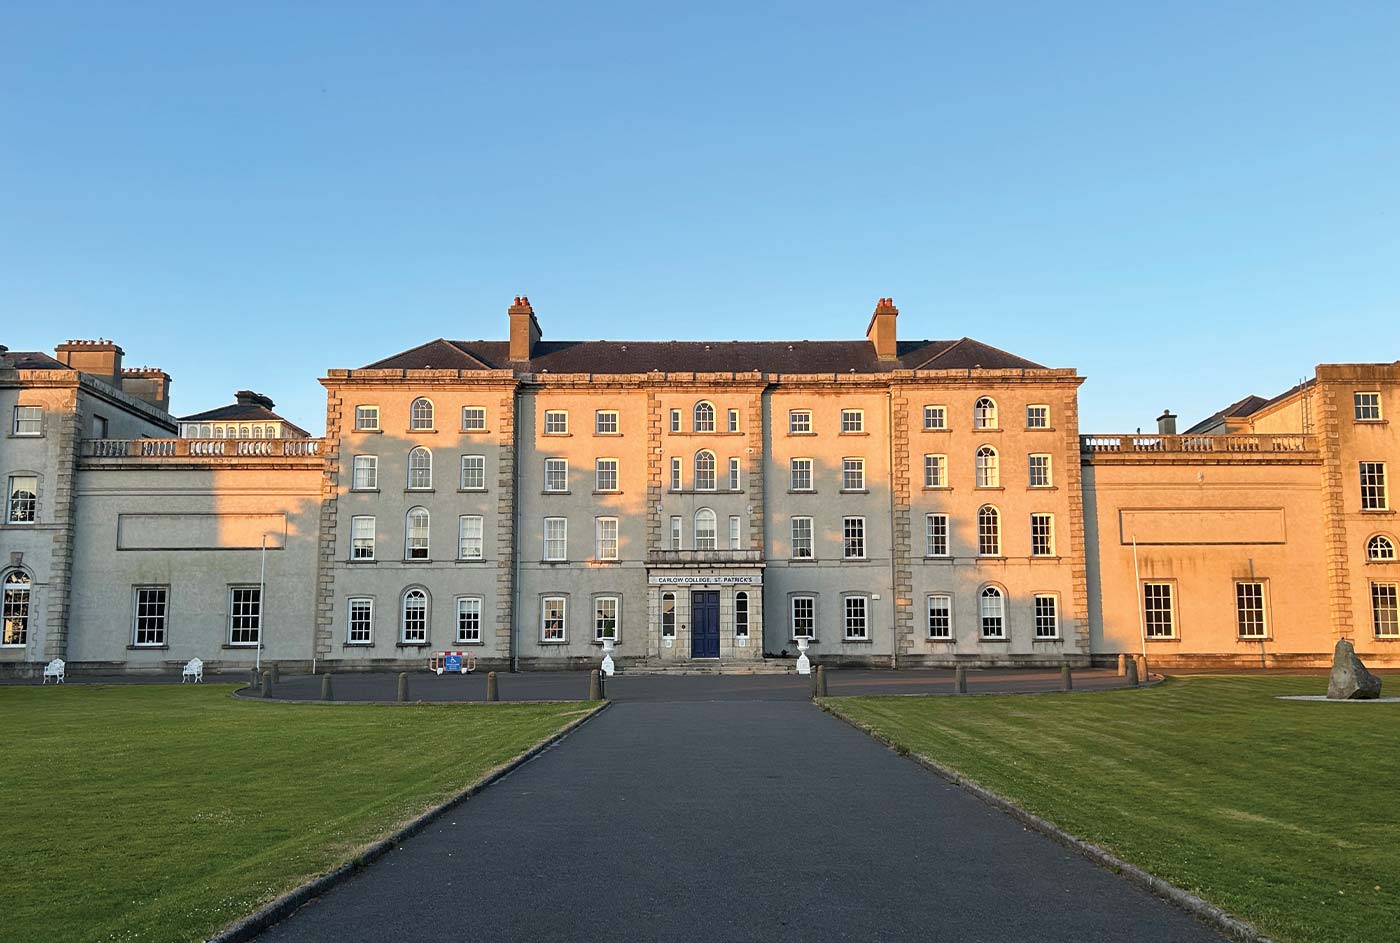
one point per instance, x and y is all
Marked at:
(34, 360)
(1245, 407)
(611, 357)
(249, 408)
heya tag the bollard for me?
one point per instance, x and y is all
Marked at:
(403, 687)
(1122, 665)
(960, 679)
(255, 680)
(1066, 679)
(595, 685)
(814, 677)
(267, 684)
(326, 694)
(821, 680)
(1141, 667)
(276, 674)
(492, 694)
(1132, 673)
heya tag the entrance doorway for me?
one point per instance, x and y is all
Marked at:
(704, 624)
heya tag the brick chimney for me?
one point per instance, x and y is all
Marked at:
(1166, 423)
(148, 383)
(99, 358)
(524, 330)
(881, 332)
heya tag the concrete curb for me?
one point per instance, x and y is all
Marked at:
(1206, 912)
(258, 921)
(259, 699)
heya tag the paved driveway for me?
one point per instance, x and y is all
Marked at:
(721, 820)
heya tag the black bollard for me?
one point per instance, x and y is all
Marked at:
(326, 694)
(1131, 671)
(960, 679)
(821, 680)
(267, 684)
(403, 687)
(492, 693)
(595, 685)
(1066, 679)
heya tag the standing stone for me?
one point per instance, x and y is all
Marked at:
(492, 693)
(403, 687)
(1141, 667)
(1066, 679)
(1350, 681)
(595, 685)
(821, 680)
(267, 684)
(1122, 665)
(1132, 673)
(326, 694)
(960, 679)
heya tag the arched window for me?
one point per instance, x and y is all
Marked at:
(984, 413)
(257, 432)
(415, 616)
(993, 611)
(420, 414)
(704, 529)
(741, 615)
(16, 609)
(420, 468)
(704, 470)
(988, 472)
(704, 417)
(219, 432)
(416, 535)
(988, 531)
(668, 615)
(1380, 549)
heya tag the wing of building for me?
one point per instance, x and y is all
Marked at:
(881, 501)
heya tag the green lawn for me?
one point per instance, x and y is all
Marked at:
(164, 812)
(1285, 814)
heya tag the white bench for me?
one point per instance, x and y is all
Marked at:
(194, 671)
(53, 669)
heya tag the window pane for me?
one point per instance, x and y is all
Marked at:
(1157, 610)
(1047, 616)
(1249, 610)
(245, 615)
(940, 617)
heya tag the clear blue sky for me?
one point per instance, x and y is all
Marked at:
(1187, 202)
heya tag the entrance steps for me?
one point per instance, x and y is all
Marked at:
(711, 668)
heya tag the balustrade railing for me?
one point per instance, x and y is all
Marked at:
(200, 448)
(1234, 443)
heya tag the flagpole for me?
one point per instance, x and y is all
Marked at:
(1142, 616)
(262, 581)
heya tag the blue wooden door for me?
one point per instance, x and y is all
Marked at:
(704, 625)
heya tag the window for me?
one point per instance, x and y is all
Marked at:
(935, 417)
(556, 538)
(802, 538)
(605, 623)
(360, 621)
(468, 620)
(801, 474)
(473, 418)
(605, 474)
(1368, 406)
(1380, 549)
(552, 618)
(988, 474)
(364, 473)
(1037, 417)
(988, 531)
(1249, 610)
(804, 617)
(24, 499)
(606, 538)
(556, 474)
(605, 422)
(1047, 615)
(1158, 609)
(414, 628)
(734, 480)
(148, 619)
(420, 469)
(676, 481)
(705, 529)
(244, 615)
(853, 543)
(704, 470)
(675, 420)
(99, 427)
(992, 608)
(704, 417)
(857, 624)
(852, 474)
(1040, 471)
(984, 413)
(735, 532)
(362, 538)
(675, 533)
(935, 471)
(16, 609)
(420, 414)
(29, 420)
(470, 533)
(1373, 496)
(1385, 610)
(741, 615)
(416, 535)
(940, 616)
(935, 535)
(734, 420)
(852, 421)
(556, 422)
(799, 422)
(473, 472)
(1042, 535)
(668, 615)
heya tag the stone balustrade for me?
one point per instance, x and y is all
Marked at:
(138, 450)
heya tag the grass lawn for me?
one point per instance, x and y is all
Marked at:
(165, 812)
(1285, 814)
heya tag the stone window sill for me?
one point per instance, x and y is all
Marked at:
(478, 642)
(148, 648)
(356, 644)
(556, 492)
(1379, 512)
(802, 491)
(944, 429)
(475, 431)
(419, 490)
(362, 560)
(801, 433)
(556, 435)
(852, 433)
(938, 487)
(410, 644)
(472, 490)
(554, 641)
(417, 560)
(989, 488)
(855, 490)
(609, 491)
(994, 641)
(421, 431)
(1047, 639)
(242, 646)
(364, 490)
(704, 433)
(857, 641)
(367, 431)
(1040, 428)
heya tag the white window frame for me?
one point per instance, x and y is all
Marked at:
(741, 614)
(16, 591)
(369, 464)
(466, 541)
(853, 538)
(1040, 419)
(1366, 405)
(606, 417)
(736, 532)
(855, 629)
(556, 422)
(702, 416)
(359, 552)
(988, 531)
(159, 619)
(935, 418)
(606, 538)
(733, 420)
(420, 415)
(852, 422)
(1039, 470)
(677, 473)
(465, 608)
(243, 620)
(935, 471)
(800, 471)
(944, 603)
(1042, 534)
(1375, 492)
(668, 615)
(675, 420)
(706, 470)
(28, 421)
(605, 469)
(1380, 548)
(22, 510)
(1155, 617)
(799, 422)
(416, 548)
(364, 623)
(936, 535)
(810, 617)
(561, 633)
(600, 604)
(420, 468)
(991, 620)
(1385, 609)
(710, 520)
(560, 539)
(984, 413)
(735, 477)
(1247, 612)
(420, 632)
(677, 532)
(853, 474)
(556, 475)
(367, 418)
(1045, 616)
(470, 480)
(988, 465)
(801, 541)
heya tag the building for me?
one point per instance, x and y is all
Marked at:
(894, 502)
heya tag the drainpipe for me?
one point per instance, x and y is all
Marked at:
(515, 530)
(894, 578)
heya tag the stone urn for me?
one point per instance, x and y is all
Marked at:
(608, 666)
(804, 666)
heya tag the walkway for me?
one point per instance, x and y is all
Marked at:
(729, 820)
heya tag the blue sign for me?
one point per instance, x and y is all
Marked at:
(452, 663)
